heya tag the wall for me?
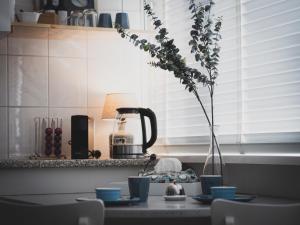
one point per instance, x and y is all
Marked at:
(49, 72)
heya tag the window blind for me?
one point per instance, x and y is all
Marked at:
(185, 121)
(270, 70)
(257, 94)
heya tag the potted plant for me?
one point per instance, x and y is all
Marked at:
(205, 36)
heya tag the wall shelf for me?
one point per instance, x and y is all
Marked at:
(69, 27)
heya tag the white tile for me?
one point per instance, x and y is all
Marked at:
(104, 45)
(3, 133)
(3, 43)
(115, 71)
(132, 5)
(28, 41)
(103, 128)
(65, 114)
(28, 81)
(104, 5)
(68, 82)
(21, 130)
(68, 43)
(135, 20)
(3, 80)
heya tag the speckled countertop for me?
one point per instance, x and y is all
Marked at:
(74, 163)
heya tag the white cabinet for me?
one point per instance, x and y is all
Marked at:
(6, 14)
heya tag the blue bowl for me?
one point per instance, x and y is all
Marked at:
(224, 192)
(108, 194)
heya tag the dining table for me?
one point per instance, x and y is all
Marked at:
(155, 211)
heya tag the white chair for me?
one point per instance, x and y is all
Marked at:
(81, 213)
(224, 212)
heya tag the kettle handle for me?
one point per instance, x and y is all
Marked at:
(151, 115)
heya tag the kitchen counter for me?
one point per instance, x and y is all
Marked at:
(74, 163)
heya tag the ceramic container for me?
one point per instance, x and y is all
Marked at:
(29, 17)
(208, 181)
(225, 192)
(108, 194)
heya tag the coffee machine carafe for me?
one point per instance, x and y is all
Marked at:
(129, 137)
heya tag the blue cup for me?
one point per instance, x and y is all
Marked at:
(108, 194)
(139, 187)
(224, 192)
(122, 20)
(105, 20)
(208, 181)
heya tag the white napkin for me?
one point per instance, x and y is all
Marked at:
(168, 165)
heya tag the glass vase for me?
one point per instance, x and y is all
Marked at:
(213, 163)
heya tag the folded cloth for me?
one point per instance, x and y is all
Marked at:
(168, 165)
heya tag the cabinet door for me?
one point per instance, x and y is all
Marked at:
(5, 17)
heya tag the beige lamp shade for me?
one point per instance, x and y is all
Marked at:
(117, 100)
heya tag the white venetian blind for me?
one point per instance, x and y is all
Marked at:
(270, 70)
(185, 121)
(257, 98)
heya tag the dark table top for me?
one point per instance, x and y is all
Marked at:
(155, 207)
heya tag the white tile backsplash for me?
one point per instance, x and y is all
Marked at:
(68, 43)
(3, 80)
(104, 45)
(115, 70)
(21, 130)
(68, 82)
(63, 72)
(28, 41)
(28, 81)
(65, 114)
(135, 20)
(3, 133)
(104, 5)
(132, 5)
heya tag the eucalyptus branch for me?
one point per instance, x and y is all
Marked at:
(204, 45)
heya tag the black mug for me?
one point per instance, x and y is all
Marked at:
(139, 187)
(105, 20)
(122, 20)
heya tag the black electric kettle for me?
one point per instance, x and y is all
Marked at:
(129, 137)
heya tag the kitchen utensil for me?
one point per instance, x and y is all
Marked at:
(90, 17)
(76, 18)
(129, 138)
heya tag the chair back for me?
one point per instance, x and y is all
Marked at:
(225, 212)
(81, 213)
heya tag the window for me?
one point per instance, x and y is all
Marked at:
(257, 98)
